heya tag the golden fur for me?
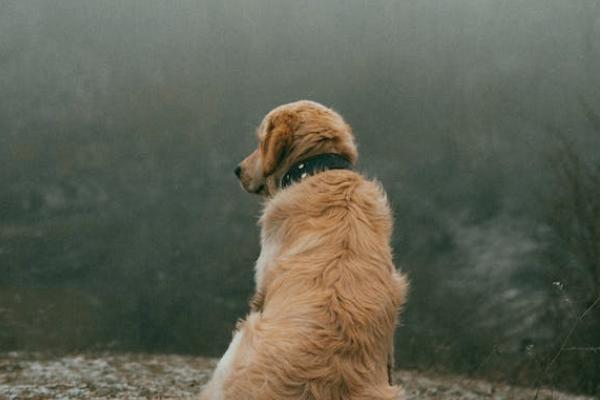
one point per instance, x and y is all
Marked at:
(323, 319)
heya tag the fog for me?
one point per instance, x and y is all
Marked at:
(122, 226)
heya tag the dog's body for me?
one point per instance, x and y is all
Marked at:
(328, 295)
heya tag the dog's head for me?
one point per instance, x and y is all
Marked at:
(291, 133)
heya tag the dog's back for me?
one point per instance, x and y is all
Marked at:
(331, 296)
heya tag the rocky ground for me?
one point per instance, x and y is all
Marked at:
(149, 376)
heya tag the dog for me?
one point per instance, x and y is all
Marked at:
(327, 299)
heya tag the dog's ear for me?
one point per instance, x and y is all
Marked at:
(278, 140)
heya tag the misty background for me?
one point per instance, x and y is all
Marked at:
(123, 228)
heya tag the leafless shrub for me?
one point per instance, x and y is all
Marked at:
(572, 214)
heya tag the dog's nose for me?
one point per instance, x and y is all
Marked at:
(238, 171)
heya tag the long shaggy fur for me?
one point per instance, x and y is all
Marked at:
(328, 295)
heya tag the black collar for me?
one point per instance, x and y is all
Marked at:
(313, 165)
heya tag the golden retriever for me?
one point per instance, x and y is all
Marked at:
(327, 293)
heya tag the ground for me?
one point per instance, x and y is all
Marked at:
(150, 376)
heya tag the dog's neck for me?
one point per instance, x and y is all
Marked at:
(312, 166)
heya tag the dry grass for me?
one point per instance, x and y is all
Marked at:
(150, 376)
